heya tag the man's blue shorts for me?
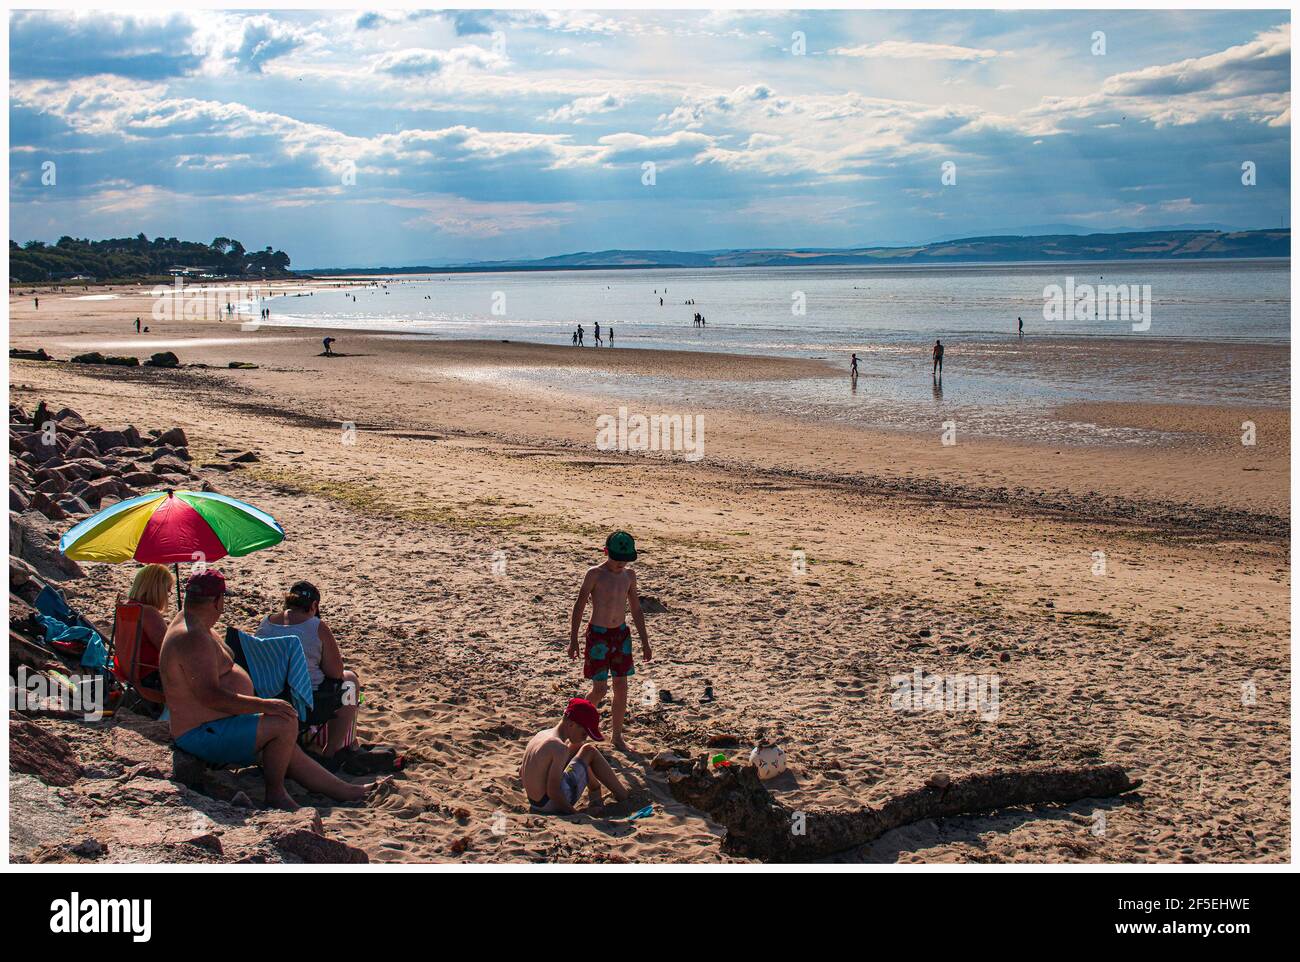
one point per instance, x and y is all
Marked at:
(223, 741)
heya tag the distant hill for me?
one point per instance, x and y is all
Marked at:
(1175, 245)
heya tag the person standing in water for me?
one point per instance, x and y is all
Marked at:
(597, 333)
(611, 335)
(853, 367)
(937, 353)
(1021, 322)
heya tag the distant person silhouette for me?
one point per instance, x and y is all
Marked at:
(937, 353)
(1022, 326)
(853, 367)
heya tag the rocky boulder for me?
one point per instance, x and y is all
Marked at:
(37, 752)
(121, 806)
(36, 541)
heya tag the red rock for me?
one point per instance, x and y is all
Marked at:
(38, 752)
(107, 440)
(82, 448)
(140, 479)
(305, 843)
(34, 444)
(41, 502)
(53, 485)
(70, 420)
(168, 464)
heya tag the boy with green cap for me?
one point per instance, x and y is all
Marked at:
(611, 588)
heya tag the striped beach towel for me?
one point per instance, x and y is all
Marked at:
(275, 664)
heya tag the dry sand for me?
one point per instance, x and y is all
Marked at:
(973, 559)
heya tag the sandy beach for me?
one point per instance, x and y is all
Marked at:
(979, 557)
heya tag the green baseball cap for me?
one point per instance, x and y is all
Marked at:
(620, 546)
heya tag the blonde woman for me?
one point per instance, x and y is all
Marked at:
(152, 590)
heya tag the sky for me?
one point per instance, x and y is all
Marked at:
(392, 138)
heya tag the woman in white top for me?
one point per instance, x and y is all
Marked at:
(336, 690)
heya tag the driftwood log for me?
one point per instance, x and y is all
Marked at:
(760, 827)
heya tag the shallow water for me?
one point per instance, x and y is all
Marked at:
(1216, 335)
(752, 309)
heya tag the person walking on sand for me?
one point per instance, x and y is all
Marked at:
(137, 325)
(937, 353)
(611, 588)
(559, 763)
(581, 332)
(1021, 322)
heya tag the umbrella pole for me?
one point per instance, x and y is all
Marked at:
(177, 565)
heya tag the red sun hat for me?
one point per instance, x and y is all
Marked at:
(585, 714)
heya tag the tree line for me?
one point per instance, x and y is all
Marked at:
(138, 257)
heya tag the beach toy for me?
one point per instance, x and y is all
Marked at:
(719, 761)
(768, 759)
(643, 813)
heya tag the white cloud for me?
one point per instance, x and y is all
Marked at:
(913, 50)
(420, 62)
(1250, 81)
(467, 218)
(578, 110)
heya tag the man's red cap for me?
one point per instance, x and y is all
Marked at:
(206, 584)
(585, 714)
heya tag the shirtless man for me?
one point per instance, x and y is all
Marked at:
(216, 716)
(557, 765)
(611, 587)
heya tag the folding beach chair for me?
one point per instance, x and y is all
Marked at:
(133, 661)
(308, 735)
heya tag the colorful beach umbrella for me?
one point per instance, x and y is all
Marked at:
(167, 527)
